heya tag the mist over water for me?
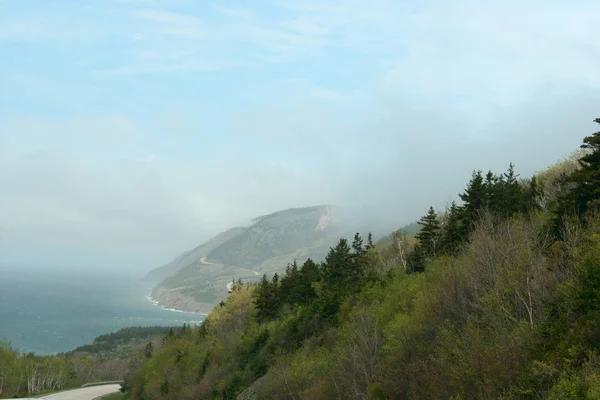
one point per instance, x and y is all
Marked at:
(46, 312)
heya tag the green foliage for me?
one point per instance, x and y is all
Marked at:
(196, 280)
(500, 309)
(451, 236)
(123, 343)
(25, 375)
(584, 182)
(429, 234)
(266, 298)
(475, 198)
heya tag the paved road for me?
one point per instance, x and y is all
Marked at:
(88, 393)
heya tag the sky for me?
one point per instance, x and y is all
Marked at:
(132, 130)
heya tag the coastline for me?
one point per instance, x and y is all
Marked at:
(163, 307)
(188, 307)
(48, 314)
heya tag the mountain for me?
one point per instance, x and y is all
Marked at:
(192, 256)
(198, 278)
(498, 297)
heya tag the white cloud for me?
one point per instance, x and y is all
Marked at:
(498, 51)
(112, 134)
(449, 86)
(148, 206)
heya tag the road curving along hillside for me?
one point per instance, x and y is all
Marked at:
(88, 393)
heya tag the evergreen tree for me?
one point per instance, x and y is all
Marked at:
(309, 274)
(370, 244)
(310, 271)
(289, 284)
(341, 276)
(452, 234)
(265, 299)
(338, 265)
(490, 185)
(203, 330)
(416, 260)
(275, 282)
(275, 296)
(530, 195)
(474, 198)
(513, 192)
(586, 193)
(148, 349)
(357, 246)
(429, 234)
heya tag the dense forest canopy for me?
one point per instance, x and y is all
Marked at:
(497, 296)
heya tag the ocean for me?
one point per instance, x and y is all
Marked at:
(48, 313)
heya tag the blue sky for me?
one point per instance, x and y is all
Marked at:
(133, 129)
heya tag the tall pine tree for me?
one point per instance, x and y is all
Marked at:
(338, 268)
(429, 234)
(514, 199)
(370, 244)
(309, 274)
(267, 298)
(452, 235)
(586, 193)
(357, 246)
(474, 199)
(289, 283)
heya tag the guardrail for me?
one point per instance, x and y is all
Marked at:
(101, 383)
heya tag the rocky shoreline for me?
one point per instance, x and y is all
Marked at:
(175, 301)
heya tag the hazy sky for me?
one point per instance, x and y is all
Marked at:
(131, 130)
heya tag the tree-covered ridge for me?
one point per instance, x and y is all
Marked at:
(501, 195)
(496, 297)
(123, 343)
(108, 358)
(197, 280)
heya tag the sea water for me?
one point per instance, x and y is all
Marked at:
(47, 313)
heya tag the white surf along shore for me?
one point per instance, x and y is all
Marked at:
(157, 304)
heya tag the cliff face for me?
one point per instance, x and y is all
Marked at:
(197, 279)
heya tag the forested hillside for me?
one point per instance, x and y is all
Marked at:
(197, 280)
(496, 297)
(121, 344)
(108, 358)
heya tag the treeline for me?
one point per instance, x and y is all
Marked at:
(495, 297)
(23, 375)
(109, 357)
(110, 343)
(500, 195)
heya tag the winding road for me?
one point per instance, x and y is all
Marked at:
(230, 284)
(88, 393)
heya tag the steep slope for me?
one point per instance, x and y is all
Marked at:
(192, 256)
(496, 298)
(197, 280)
(274, 235)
